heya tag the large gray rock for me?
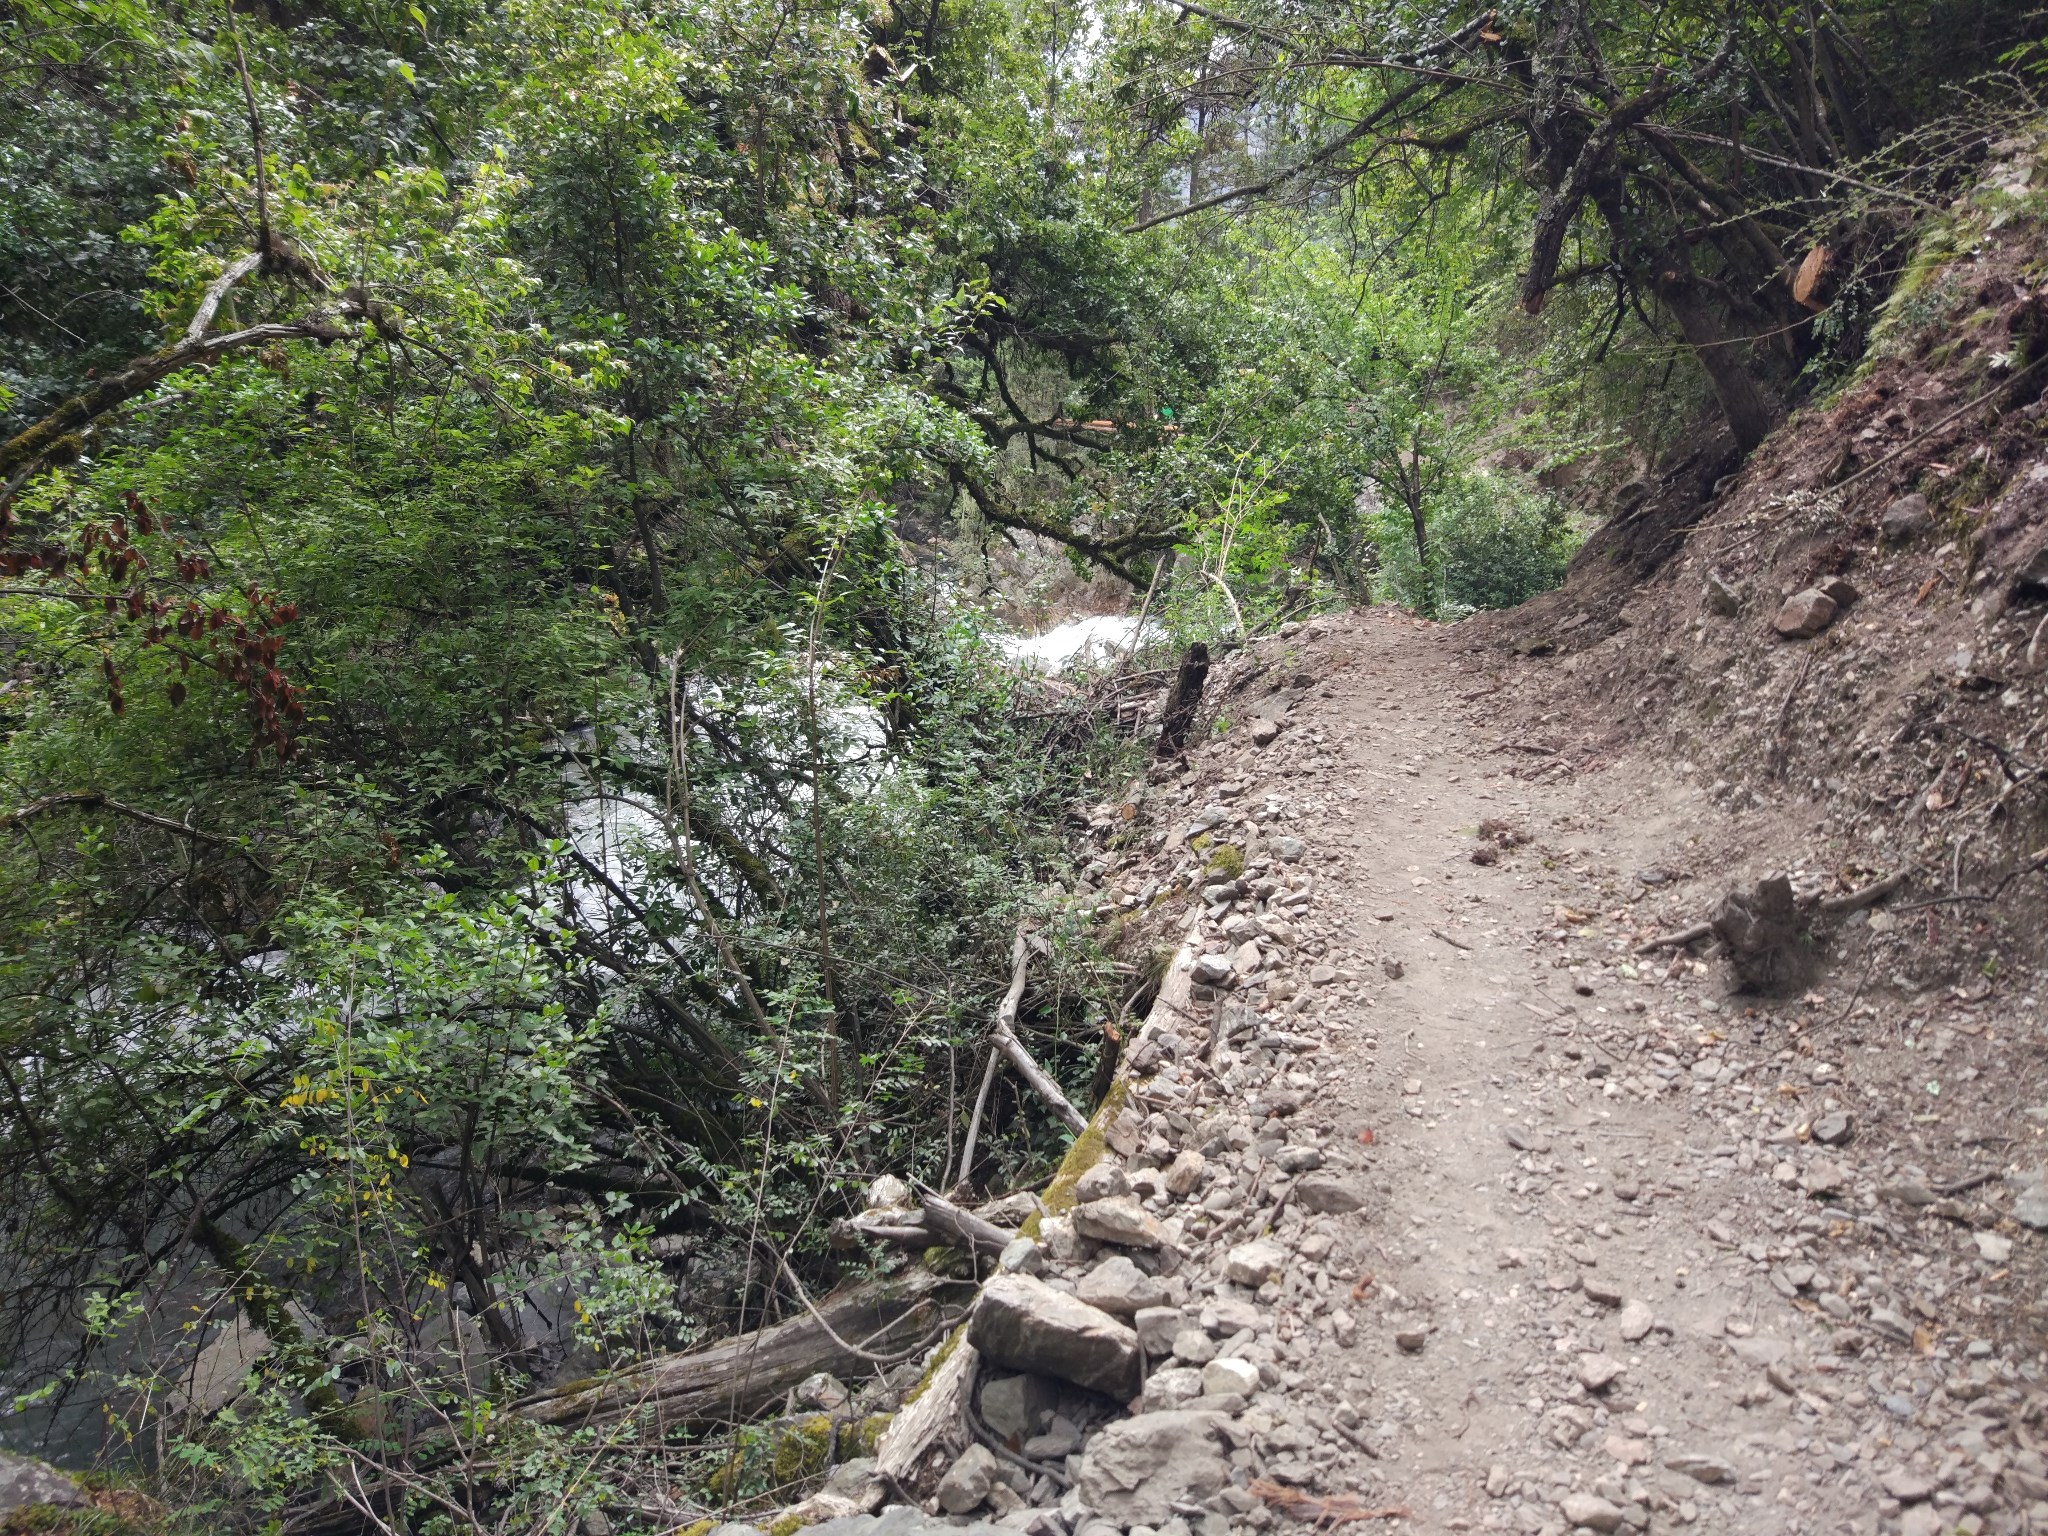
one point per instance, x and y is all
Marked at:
(1175, 1386)
(1104, 1180)
(1016, 1407)
(968, 1481)
(1156, 1328)
(1185, 1172)
(1591, 1511)
(889, 1193)
(1028, 1326)
(1329, 1194)
(1834, 1128)
(1224, 1376)
(896, 1520)
(822, 1390)
(1806, 614)
(1119, 1220)
(1137, 1470)
(1118, 1286)
(26, 1482)
(1253, 1264)
(1701, 1468)
(2031, 1209)
(1905, 519)
(1598, 1372)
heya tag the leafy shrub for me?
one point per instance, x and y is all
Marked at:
(1501, 546)
(1492, 544)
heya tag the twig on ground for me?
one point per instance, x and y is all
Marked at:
(1338, 1509)
(2033, 867)
(1355, 1438)
(988, 1438)
(1861, 982)
(1968, 1182)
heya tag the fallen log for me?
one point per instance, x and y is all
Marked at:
(949, 1224)
(939, 1221)
(746, 1376)
(729, 1383)
(930, 1429)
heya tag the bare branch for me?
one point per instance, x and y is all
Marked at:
(209, 302)
(98, 800)
(32, 444)
(1561, 204)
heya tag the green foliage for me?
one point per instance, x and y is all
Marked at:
(1493, 546)
(513, 815)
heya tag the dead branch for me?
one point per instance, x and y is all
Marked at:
(1004, 1044)
(1677, 940)
(209, 302)
(959, 1228)
(31, 444)
(2034, 866)
(743, 1376)
(1338, 1509)
(1004, 1038)
(1865, 896)
(97, 800)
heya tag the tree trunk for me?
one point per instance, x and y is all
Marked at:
(1750, 416)
(728, 1383)
(737, 1380)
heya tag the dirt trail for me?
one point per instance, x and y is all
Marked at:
(1615, 1282)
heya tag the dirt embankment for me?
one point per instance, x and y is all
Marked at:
(1899, 725)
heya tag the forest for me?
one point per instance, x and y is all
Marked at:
(519, 802)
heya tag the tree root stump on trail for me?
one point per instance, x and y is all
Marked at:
(1759, 932)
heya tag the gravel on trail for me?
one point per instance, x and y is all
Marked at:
(1445, 1209)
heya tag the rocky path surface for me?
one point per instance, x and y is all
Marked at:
(1441, 1206)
